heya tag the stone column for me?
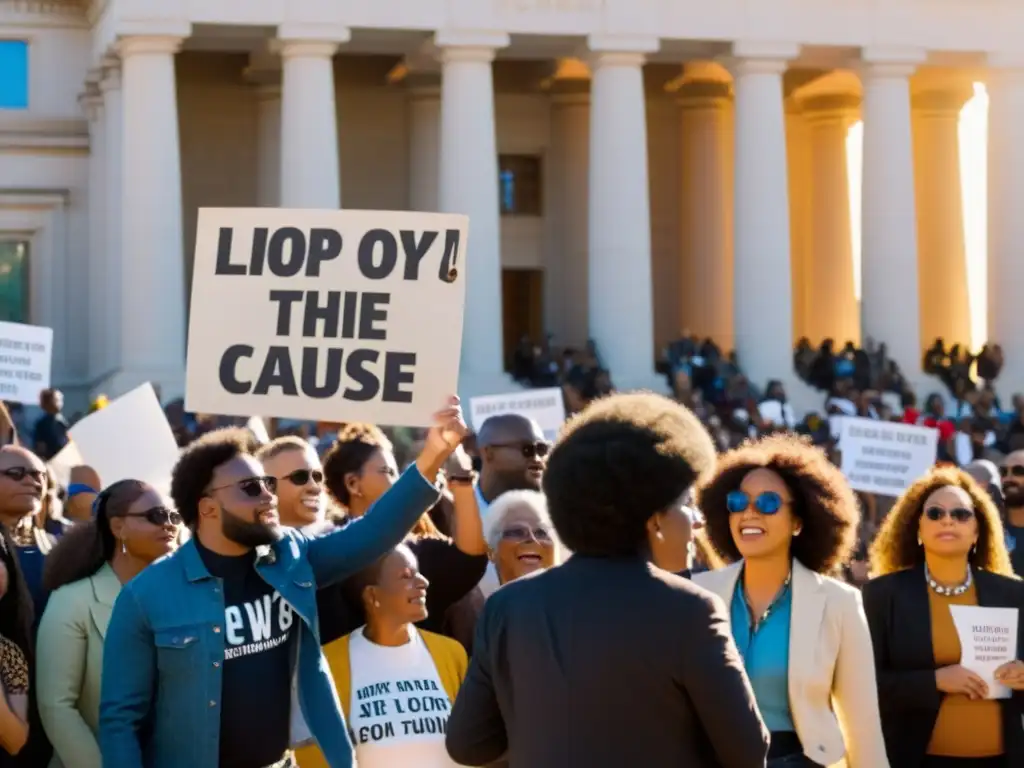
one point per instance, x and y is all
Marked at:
(92, 101)
(763, 284)
(798, 169)
(152, 264)
(706, 135)
(942, 260)
(268, 137)
(831, 297)
(424, 141)
(469, 185)
(310, 165)
(569, 171)
(113, 183)
(621, 302)
(1006, 218)
(890, 309)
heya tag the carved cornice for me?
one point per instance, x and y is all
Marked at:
(56, 7)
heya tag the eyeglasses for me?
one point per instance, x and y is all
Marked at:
(517, 534)
(17, 474)
(1017, 470)
(159, 516)
(960, 514)
(537, 450)
(765, 503)
(252, 486)
(301, 477)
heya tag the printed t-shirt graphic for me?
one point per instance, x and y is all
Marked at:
(255, 698)
(399, 709)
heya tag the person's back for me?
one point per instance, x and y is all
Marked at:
(646, 688)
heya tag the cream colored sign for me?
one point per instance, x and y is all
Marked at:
(326, 315)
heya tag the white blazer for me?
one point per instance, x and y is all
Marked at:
(833, 696)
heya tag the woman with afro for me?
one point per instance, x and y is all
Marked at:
(942, 546)
(785, 519)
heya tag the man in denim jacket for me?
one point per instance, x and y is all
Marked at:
(207, 649)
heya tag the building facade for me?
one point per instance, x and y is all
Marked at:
(631, 168)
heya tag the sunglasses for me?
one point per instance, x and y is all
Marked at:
(766, 503)
(960, 514)
(536, 450)
(518, 534)
(17, 474)
(252, 486)
(1017, 470)
(159, 516)
(301, 477)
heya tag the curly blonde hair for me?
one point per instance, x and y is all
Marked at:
(895, 548)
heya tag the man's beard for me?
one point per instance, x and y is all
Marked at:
(518, 482)
(248, 533)
(1014, 495)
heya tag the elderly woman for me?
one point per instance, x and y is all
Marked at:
(519, 534)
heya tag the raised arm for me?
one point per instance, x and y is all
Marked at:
(350, 549)
(129, 681)
(716, 682)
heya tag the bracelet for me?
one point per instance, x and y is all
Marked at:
(469, 479)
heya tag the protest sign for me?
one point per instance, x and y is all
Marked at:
(884, 457)
(545, 406)
(988, 639)
(66, 459)
(258, 428)
(326, 315)
(25, 354)
(130, 438)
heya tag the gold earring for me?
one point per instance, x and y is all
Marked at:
(124, 547)
(376, 604)
(919, 542)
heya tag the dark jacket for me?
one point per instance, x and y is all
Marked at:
(899, 618)
(606, 662)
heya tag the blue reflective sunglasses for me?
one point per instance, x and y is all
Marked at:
(766, 503)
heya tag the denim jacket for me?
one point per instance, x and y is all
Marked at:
(160, 705)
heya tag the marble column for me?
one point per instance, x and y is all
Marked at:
(1006, 218)
(310, 164)
(706, 136)
(92, 101)
(798, 170)
(424, 141)
(152, 276)
(113, 178)
(469, 185)
(831, 298)
(942, 260)
(621, 301)
(890, 308)
(763, 285)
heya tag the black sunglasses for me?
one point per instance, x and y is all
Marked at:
(960, 514)
(159, 516)
(1017, 470)
(766, 503)
(17, 474)
(252, 486)
(301, 476)
(537, 450)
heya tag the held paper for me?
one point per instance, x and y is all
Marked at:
(988, 639)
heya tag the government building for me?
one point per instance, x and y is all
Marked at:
(630, 168)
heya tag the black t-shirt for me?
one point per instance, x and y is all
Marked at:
(1015, 543)
(256, 692)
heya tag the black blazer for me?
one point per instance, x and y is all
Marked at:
(606, 662)
(899, 618)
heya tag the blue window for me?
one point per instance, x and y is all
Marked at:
(13, 74)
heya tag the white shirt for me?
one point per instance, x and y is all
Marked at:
(489, 583)
(399, 709)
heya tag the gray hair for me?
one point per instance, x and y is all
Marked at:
(495, 515)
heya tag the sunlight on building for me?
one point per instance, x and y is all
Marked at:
(974, 183)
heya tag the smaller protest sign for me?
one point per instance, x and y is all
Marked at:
(326, 315)
(66, 459)
(545, 406)
(258, 428)
(25, 355)
(884, 457)
(988, 639)
(129, 439)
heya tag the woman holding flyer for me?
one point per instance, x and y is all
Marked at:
(941, 547)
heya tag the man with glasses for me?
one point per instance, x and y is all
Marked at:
(1012, 472)
(203, 648)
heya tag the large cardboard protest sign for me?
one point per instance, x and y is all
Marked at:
(326, 315)
(25, 355)
(882, 457)
(129, 439)
(545, 406)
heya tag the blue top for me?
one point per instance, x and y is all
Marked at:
(765, 651)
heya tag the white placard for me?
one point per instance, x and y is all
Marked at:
(988, 639)
(545, 406)
(326, 315)
(130, 438)
(259, 429)
(884, 457)
(66, 459)
(25, 355)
